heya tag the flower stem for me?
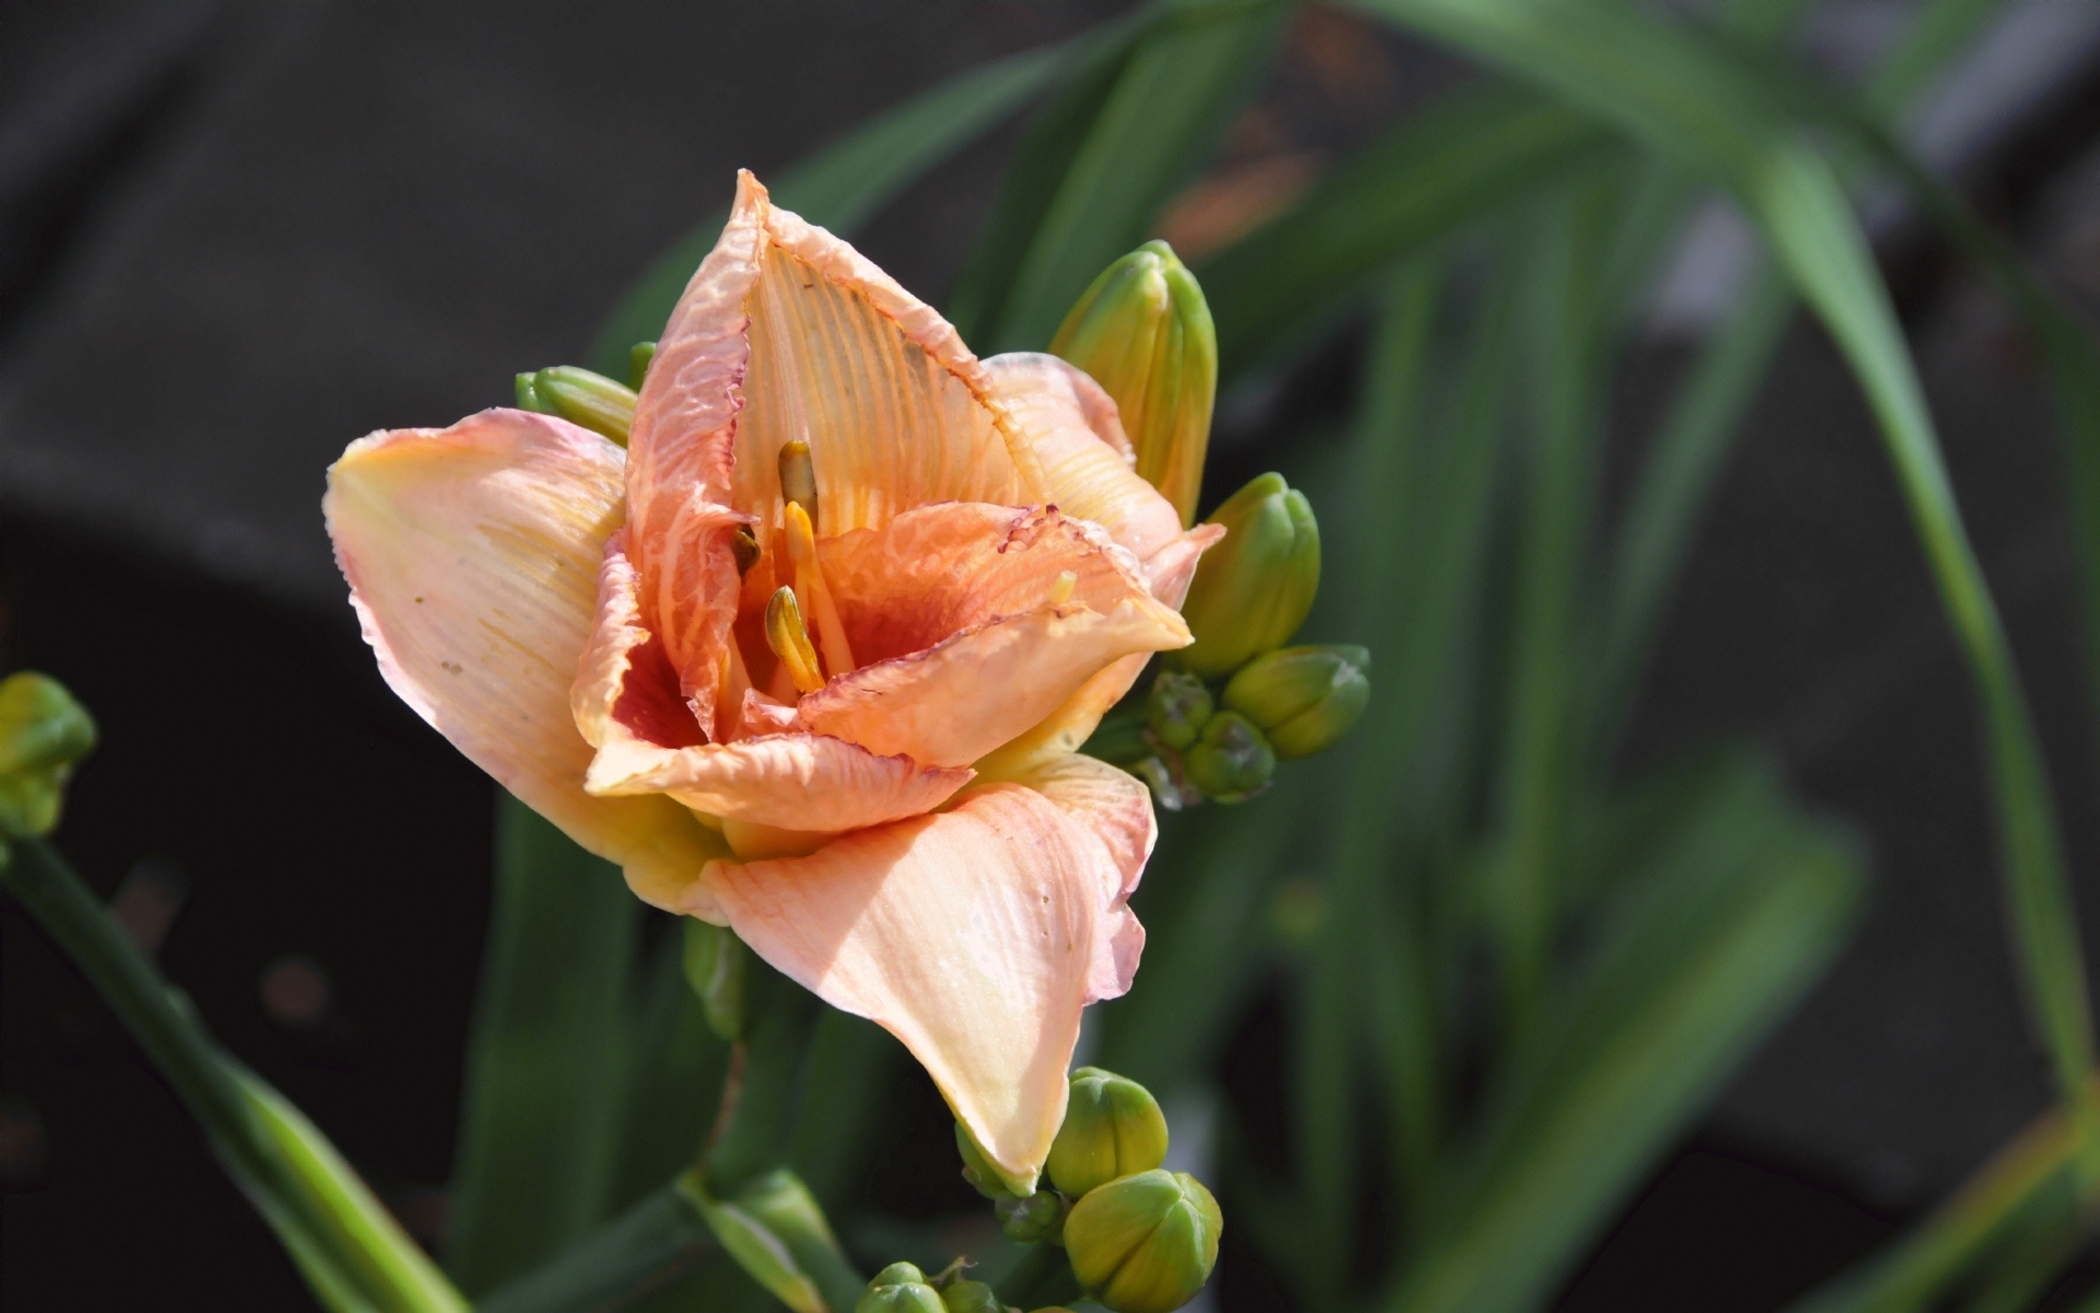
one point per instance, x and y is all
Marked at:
(344, 1241)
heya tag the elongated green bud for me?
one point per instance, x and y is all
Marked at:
(971, 1297)
(1303, 699)
(1113, 1127)
(1144, 332)
(581, 397)
(639, 357)
(1038, 1219)
(1177, 708)
(900, 1288)
(1232, 761)
(1145, 1243)
(43, 731)
(1253, 590)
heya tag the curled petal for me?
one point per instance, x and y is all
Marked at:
(471, 554)
(967, 695)
(787, 781)
(975, 936)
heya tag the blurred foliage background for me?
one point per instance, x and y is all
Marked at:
(1497, 282)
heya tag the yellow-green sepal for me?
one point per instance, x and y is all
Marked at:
(1145, 1243)
(1252, 590)
(1303, 699)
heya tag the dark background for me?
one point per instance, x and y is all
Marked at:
(233, 237)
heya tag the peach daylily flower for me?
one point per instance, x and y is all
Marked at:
(900, 822)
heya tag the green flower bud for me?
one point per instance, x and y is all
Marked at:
(1038, 1219)
(979, 1170)
(1252, 591)
(1303, 698)
(1232, 761)
(971, 1297)
(1144, 332)
(1112, 1127)
(900, 1288)
(1145, 1243)
(639, 358)
(43, 731)
(577, 395)
(1177, 708)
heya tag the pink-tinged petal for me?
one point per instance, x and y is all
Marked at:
(937, 570)
(626, 690)
(964, 697)
(472, 554)
(788, 781)
(975, 936)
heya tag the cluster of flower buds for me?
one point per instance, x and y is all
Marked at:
(1139, 1238)
(1231, 705)
(43, 731)
(586, 399)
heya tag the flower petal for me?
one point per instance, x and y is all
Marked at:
(471, 554)
(788, 781)
(975, 936)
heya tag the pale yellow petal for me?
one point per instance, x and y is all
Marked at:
(789, 781)
(472, 555)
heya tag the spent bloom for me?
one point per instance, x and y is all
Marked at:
(812, 657)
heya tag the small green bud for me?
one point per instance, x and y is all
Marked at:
(1145, 1243)
(1038, 1219)
(1143, 330)
(1253, 590)
(900, 1288)
(581, 397)
(1303, 698)
(43, 731)
(971, 1297)
(1232, 761)
(714, 967)
(1113, 1127)
(1177, 708)
(639, 357)
(978, 1169)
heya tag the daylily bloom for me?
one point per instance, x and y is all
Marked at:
(813, 656)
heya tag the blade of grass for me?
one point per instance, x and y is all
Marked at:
(674, 1077)
(343, 1240)
(849, 180)
(1690, 99)
(1744, 911)
(546, 1054)
(656, 1240)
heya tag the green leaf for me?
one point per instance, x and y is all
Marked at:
(1150, 115)
(776, 1233)
(674, 1076)
(546, 1056)
(1439, 170)
(1742, 911)
(656, 1240)
(846, 182)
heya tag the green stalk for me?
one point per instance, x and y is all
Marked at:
(344, 1241)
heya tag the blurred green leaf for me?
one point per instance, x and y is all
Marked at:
(1097, 166)
(1741, 913)
(1422, 181)
(546, 1054)
(846, 182)
(774, 1230)
(674, 1076)
(650, 1244)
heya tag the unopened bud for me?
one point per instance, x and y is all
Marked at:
(1035, 1220)
(43, 731)
(1113, 1127)
(971, 1297)
(1232, 761)
(581, 397)
(1143, 330)
(978, 1168)
(1303, 698)
(639, 357)
(1253, 590)
(1144, 1243)
(1177, 708)
(900, 1288)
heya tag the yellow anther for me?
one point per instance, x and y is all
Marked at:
(798, 479)
(790, 642)
(811, 590)
(1061, 591)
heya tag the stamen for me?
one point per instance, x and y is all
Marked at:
(1061, 591)
(744, 544)
(798, 479)
(790, 642)
(811, 588)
